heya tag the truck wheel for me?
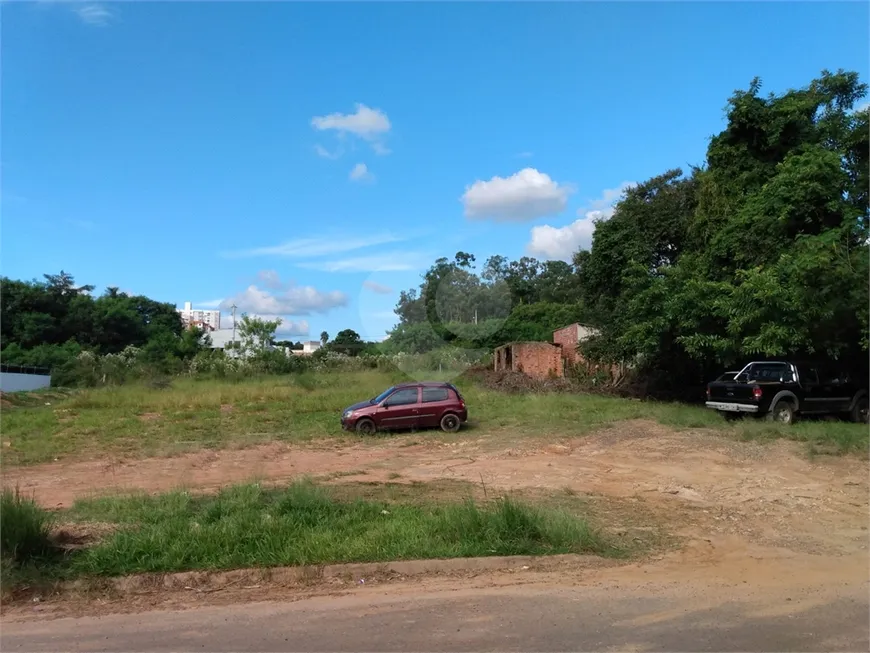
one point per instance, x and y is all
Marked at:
(365, 426)
(450, 423)
(860, 410)
(782, 412)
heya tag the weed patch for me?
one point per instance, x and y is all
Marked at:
(24, 528)
(249, 526)
(27, 555)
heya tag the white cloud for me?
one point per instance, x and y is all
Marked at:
(524, 196)
(560, 243)
(371, 125)
(270, 279)
(286, 328)
(293, 328)
(386, 262)
(603, 207)
(365, 122)
(360, 172)
(326, 154)
(287, 299)
(321, 246)
(93, 13)
(378, 288)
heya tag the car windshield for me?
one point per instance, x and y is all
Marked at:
(728, 376)
(767, 371)
(383, 395)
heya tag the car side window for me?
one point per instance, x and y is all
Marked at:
(403, 397)
(431, 395)
(833, 376)
(809, 375)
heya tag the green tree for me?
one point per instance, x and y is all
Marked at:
(347, 342)
(763, 252)
(256, 334)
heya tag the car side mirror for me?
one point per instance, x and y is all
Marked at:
(386, 404)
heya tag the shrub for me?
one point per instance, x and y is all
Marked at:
(24, 528)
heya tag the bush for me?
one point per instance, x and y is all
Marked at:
(24, 528)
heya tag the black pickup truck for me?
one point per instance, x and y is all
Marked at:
(782, 389)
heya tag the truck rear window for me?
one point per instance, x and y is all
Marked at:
(768, 371)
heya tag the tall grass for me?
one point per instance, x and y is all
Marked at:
(27, 556)
(247, 526)
(24, 528)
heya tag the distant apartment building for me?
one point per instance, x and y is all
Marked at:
(311, 346)
(197, 317)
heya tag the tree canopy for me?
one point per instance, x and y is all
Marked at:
(46, 323)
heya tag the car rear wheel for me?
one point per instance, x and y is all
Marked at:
(860, 411)
(450, 423)
(365, 426)
(782, 412)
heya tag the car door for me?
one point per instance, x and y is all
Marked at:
(837, 388)
(400, 410)
(814, 399)
(432, 405)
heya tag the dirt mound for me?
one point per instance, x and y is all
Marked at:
(516, 382)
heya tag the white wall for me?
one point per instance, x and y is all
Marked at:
(12, 382)
(585, 332)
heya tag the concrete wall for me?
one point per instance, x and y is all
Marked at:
(537, 359)
(12, 382)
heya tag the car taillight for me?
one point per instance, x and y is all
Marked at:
(708, 392)
(756, 392)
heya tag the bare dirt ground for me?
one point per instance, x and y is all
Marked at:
(762, 513)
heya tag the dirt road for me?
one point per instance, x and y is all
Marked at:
(773, 554)
(748, 602)
(696, 482)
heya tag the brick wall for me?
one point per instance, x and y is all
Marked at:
(568, 337)
(538, 359)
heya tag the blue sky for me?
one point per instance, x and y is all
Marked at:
(310, 160)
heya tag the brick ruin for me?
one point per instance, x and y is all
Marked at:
(543, 359)
(569, 337)
(540, 360)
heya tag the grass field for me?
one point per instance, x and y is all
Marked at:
(249, 526)
(136, 420)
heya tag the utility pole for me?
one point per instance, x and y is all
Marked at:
(233, 309)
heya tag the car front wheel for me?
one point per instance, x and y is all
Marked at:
(450, 423)
(365, 426)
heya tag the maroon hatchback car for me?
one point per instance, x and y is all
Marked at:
(409, 406)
